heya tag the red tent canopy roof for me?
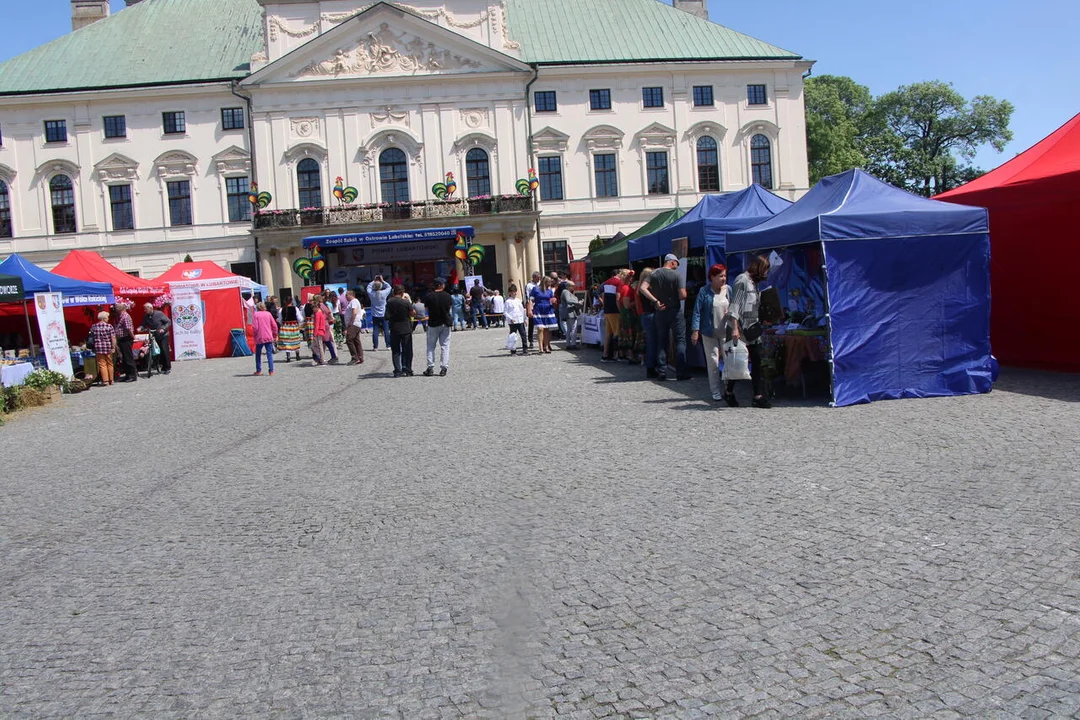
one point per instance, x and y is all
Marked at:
(203, 274)
(86, 265)
(1057, 154)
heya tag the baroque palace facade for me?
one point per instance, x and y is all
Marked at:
(139, 134)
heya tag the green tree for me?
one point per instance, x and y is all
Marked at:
(836, 109)
(187, 258)
(922, 137)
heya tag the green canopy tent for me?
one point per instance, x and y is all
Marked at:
(615, 255)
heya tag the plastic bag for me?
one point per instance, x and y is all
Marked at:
(512, 341)
(736, 361)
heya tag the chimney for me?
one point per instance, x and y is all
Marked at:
(87, 12)
(696, 8)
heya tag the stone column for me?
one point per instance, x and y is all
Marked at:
(266, 276)
(285, 274)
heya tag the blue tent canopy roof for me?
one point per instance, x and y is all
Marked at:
(37, 280)
(856, 205)
(710, 220)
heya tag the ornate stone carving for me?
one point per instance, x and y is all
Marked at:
(387, 52)
(305, 127)
(656, 135)
(476, 117)
(176, 164)
(604, 137)
(550, 140)
(233, 161)
(435, 14)
(390, 116)
(276, 25)
(503, 28)
(390, 138)
(116, 167)
(305, 149)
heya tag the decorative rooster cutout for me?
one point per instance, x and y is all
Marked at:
(316, 258)
(259, 199)
(445, 190)
(534, 182)
(528, 187)
(476, 254)
(342, 193)
(461, 248)
(303, 267)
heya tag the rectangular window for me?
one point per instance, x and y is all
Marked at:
(120, 201)
(5, 210)
(236, 190)
(115, 126)
(173, 123)
(755, 95)
(551, 177)
(703, 96)
(599, 99)
(232, 118)
(179, 202)
(545, 101)
(656, 163)
(607, 181)
(652, 97)
(56, 131)
(556, 256)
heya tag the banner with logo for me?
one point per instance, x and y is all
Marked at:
(187, 317)
(54, 338)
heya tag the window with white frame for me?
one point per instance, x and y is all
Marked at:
(123, 217)
(309, 184)
(5, 210)
(179, 192)
(656, 164)
(550, 176)
(708, 165)
(478, 173)
(606, 174)
(236, 193)
(62, 195)
(394, 176)
(761, 161)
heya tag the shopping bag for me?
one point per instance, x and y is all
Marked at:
(736, 361)
(512, 341)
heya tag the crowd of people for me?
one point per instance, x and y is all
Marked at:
(112, 340)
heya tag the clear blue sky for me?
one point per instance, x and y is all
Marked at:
(1024, 52)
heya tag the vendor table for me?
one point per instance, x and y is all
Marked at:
(12, 375)
(796, 349)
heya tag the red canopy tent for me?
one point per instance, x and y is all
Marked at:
(221, 298)
(1033, 204)
(86, 265)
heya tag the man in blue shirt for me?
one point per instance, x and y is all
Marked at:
(378, 290)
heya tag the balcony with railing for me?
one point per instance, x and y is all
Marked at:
(383, 212)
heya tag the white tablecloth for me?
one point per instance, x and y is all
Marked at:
(12, 375)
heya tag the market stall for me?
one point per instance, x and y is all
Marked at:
(212, 306)
(1032, 204)
(906, 286)
(87, 265)
(616, 255)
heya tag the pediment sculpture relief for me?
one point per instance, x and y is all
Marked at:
(387, 52)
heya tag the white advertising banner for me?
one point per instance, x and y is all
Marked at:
(187, 317)
(54, 338)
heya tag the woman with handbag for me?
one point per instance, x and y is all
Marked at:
(709, 322)
(747, 327)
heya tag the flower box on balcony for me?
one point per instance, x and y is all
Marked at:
(481, 206)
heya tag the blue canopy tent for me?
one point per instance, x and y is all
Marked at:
(36, 280)
(907, 281)
(708, 223)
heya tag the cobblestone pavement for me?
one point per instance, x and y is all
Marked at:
(536, 537)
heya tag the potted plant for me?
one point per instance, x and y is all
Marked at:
(48, 382)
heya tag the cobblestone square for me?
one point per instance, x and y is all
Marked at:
(536, 537)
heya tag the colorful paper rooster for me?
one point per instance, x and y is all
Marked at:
(303, 267)
(316, 258)
(342, 193)
(259, 199)
(445, 190)
(528, 187)
(461, 248)
(476, 254)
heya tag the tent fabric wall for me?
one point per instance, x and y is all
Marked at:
(220, 291)
(1032, 200)
(908, 286)
(36, 280)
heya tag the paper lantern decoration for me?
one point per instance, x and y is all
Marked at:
(259, 199)
(302, 267)
(445, 190)
(476, 254)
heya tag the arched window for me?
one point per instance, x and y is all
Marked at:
(708, 165)
(394, 176)
(5, 210)
(761, 161)
(309, 184)
(63, 204)
(478, 172)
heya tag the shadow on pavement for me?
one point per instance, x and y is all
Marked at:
(1040, 383)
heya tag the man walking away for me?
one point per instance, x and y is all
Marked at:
(665, 288)
(476, 296)
(439, 323)
(157, 323)
(354, 323)
(379, 290)
(399, 314)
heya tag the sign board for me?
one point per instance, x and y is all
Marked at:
(188, 316)
(396, 252)
(54, 338)
(470, 280)
(11, 288)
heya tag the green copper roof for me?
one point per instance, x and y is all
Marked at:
(158, 42)
(154, 42)
(596, 31)
(617, 253)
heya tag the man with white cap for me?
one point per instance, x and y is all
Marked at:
(666, 289)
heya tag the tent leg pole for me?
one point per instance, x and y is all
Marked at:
(29, 332)
(828, 318)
